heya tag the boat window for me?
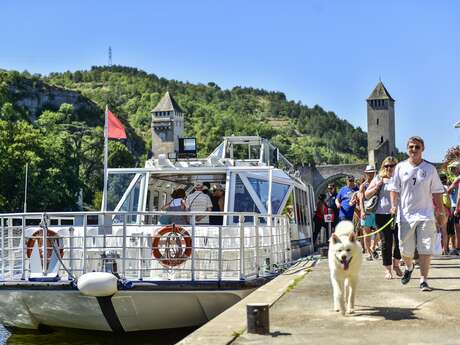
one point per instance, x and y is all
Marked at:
(219, 151)
(243, 200)
(278, 192)
(300, 207)
(116, 187)
(130, 204)
(156, 201)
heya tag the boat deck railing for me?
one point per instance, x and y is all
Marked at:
(129, 245)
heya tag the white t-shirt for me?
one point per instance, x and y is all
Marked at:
(175, 202)
(198, 201)
(415, 185)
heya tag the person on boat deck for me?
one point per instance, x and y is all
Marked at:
(218, 201)
(177, 204)
(207, 189)
(199, 202)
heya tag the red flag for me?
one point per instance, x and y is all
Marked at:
(116, 130)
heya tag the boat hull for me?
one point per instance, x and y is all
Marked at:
(126, 311)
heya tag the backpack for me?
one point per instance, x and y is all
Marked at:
(330, 201)
(446, 201)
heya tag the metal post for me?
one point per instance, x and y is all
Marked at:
(287, 237)
(123, 250)
(192, 273)
(241, 225)
(23, 241)
(256, 226)
(45, 247)
(219, 254)
(3, 247)
(139, 256)
(25, 188)
(329, 224)
(85, 221)
(10, 230)
(279, 242)
(71, 249)
(258, 320)
(270, 228)
(269, 201)
(276, 239)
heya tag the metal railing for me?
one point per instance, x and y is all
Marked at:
(250, 245)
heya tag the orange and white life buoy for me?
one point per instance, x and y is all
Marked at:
(51, 237)
(172, 246)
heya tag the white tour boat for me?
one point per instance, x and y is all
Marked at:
(128, 270)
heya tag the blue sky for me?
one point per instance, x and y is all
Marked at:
(330, 53)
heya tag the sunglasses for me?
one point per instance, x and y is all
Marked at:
(389, 166)
(414, 147)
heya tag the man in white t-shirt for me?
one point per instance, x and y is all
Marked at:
(198, 201)
(413, 189)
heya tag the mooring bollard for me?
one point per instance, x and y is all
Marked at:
(258, 320)
(323, 251)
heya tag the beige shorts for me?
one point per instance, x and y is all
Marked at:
(420, 234)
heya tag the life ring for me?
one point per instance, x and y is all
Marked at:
(51, 236)
(172, 246)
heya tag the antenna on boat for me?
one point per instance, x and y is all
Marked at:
(110, 56)
(25, 188)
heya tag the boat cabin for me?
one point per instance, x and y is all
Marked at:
(255, 176)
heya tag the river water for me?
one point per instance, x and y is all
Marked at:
(71, 337)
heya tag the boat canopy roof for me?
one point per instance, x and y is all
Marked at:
(234, 153)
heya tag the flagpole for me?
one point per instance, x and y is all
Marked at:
(106, 159)
(25, 188)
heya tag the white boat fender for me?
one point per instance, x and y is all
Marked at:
(97, 284)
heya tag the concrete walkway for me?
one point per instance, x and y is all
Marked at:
(226, 327)
(386, 312)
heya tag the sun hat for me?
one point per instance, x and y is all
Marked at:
(369, 168)
(454, 164)
(217, 186)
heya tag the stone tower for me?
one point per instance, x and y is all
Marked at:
(380, 125)
(167, 126)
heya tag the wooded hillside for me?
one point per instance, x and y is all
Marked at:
(55, 123)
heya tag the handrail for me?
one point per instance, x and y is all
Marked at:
(218, 252)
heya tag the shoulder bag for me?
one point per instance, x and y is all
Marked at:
(370, 205)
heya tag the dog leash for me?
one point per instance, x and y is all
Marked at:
(378, 230)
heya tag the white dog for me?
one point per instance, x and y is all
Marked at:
(345, 258)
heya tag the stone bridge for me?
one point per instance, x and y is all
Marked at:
(320, 176)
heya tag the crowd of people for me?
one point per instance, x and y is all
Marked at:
(203, 198)
(399, 210)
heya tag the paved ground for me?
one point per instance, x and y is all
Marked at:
(386, 311)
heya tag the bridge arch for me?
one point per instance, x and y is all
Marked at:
(321, 175)
(321, 188)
